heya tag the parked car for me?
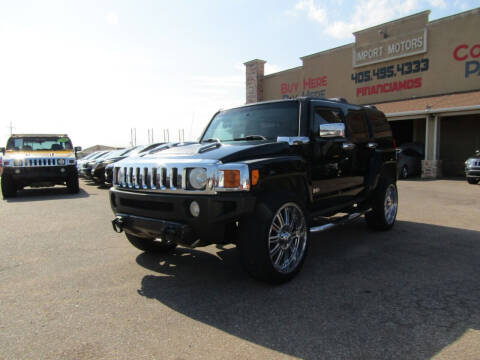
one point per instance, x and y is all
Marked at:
(39, 160)
(99, 170)
(88, 158)
(86, 169)
(472, 168)
(263, 176)
(409, 159)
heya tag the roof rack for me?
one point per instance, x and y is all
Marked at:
(342, 100)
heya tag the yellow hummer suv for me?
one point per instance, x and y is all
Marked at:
(38, 160)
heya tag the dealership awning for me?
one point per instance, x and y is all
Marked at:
(442, 105)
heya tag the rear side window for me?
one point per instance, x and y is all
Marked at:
(380, 126)
(357, 126)
(326, 116)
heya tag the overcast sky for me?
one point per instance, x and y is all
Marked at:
(95, 69)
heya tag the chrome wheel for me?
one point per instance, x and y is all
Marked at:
(287, 238)
(391, 204)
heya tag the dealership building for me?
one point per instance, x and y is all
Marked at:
(424, 75)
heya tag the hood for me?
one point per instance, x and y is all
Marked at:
(224, 152)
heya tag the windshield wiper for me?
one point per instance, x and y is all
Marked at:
(251, 137)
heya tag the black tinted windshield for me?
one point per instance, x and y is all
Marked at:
(39, 143)
(263, 120)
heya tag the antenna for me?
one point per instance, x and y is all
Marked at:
(11, 128)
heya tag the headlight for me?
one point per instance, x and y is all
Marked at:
(469, 162)
(17, 162)
(198, 178)
(61, 162)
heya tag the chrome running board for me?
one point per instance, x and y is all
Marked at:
(342, 221)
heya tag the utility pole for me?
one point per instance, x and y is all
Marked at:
(11, 128)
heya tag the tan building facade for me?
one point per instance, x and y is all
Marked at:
(425, 75)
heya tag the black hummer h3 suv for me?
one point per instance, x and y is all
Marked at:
(263, 176)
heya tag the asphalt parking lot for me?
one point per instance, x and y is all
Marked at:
(71, 288)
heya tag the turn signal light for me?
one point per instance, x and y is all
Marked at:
(255, 177)
(231, 178)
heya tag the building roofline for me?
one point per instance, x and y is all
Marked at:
(323, 52)
(474, 10)
(283, 71)
(254, 61)
(427, 12)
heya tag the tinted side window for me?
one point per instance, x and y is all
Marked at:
(357, 126)
(326, 116)
(380, 126)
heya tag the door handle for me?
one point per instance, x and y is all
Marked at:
(348, 146)
(372, 145)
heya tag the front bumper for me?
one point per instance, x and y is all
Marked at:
(472, 173)
(158, 215)
(57, 174)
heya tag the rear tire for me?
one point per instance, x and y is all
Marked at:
(273, 241)
(472, 181)
(384, 206)
(73, 184)
(9, 188)
(150, 245)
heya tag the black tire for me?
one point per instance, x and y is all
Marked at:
(9, 188)
(257, 246)
(381, 217)
(404, 172)
(73, 184)
(472, 181)
(150, 245)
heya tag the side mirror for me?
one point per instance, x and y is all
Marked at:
(2, 150)
(332, 130)
(477, 152)
(78, 148)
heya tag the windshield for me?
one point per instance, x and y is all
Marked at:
(265, 120)
(115, 153)
(40, 143)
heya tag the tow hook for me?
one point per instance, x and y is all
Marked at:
(117, 224)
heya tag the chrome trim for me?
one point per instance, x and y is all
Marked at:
(170, 175)
(38, 161)
(294, 140)
(348, 146)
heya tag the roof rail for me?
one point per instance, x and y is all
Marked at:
(342, 100)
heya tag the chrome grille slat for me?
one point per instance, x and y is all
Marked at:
(50, 161)
(171, 176)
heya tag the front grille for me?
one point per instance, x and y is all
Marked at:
(163, 178)
(35, 162)
(171, 175)
(476, 163)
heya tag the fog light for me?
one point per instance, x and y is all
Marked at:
(194, 209)
(17, 171)
(62, 170)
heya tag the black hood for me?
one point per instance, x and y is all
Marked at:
(224, 152)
